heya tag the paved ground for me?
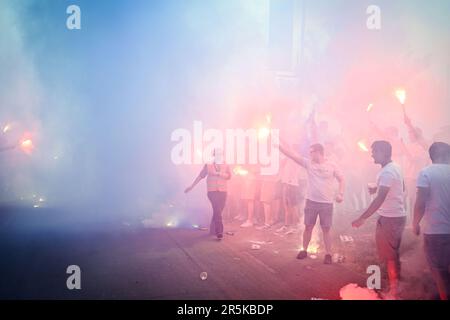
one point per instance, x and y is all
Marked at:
(122, 261)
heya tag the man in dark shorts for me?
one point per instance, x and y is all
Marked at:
(433, 206)
(321, 195)
(390, 205)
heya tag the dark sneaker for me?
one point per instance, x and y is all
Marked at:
(302, 255)
(219, 236)
(327, 259)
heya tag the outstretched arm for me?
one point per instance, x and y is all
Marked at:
(199, 178)
(415, 131)
(374, 206)
(288, 153)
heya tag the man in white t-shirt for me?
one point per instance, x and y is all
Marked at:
(390, 205)
(321, 195)
(433, 205)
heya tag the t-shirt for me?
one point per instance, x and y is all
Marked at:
(436, 177)
(394, 205)
(321, 180)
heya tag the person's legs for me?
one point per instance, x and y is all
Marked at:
(292, 206)
(389, 233)
(310, 221)
(212, 226)
(285, 201)
(250, 210)
(442, 280)
(221, 199)
(307, 234)
(267, 213)
(393, 276)
(327, 239)
(250, 213)
(437, 252)
(275, 211)
(326, 221)
(285, 207)
(303, 184)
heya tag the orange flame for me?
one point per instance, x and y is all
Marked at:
(26, 144)
(240, 171)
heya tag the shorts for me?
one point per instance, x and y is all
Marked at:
(323, 210)
(388, 237)
(251, 190)
(270, 190)
(291, 194)
(437, 251)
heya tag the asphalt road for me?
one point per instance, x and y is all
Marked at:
(122, 261)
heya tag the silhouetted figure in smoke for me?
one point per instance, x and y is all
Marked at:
(217, 175)
(390, 205)
(2, 149)
(320, 196)
(415, 158)
(433, 206)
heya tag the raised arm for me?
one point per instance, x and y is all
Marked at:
(295, 157)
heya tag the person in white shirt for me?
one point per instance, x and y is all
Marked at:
(390, 205)
(433, 206)
(320, 196)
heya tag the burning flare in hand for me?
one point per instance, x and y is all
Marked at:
(401, 96)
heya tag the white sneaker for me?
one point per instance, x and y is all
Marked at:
(247, 224)
(282, 229)
(290, 231)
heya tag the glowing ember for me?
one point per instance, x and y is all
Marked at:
(6, 128)
(171, 223)
(263, 133)
(27, 145)
(353, 292)
(362, 146)
(239, 171)
(313, 248)
(401, 95)
(369, 107)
